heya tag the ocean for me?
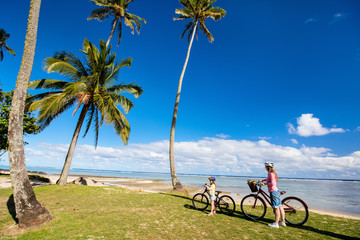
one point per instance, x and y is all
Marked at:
(329, 195)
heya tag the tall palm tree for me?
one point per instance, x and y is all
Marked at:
(29, 211)
(92, 86)
(117, 9)
(197, 11)
(3, 37)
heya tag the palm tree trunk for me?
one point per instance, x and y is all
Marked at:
(175, 181)
(29, 212)
(65, 171)
(112, 32)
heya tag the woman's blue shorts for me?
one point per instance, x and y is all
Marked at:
(275, 199)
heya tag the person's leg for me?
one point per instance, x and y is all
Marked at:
(275, 205)
(282, 214)
(277, 215)
(212, 208)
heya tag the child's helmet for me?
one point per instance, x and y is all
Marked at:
(212, 178)
(269, 164)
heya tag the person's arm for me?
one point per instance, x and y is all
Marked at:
(264, 180)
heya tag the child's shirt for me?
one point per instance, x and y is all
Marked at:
(271, 180)
(212, 189)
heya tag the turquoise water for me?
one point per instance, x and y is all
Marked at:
(336, 196)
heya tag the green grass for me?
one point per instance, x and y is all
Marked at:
(83, 212)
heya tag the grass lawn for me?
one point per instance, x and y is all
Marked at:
(83, 212)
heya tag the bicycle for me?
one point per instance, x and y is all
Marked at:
(225, 203)
(254, 206)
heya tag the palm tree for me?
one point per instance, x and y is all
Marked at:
(29, 211)
(3, 37)
(116, 8)
(92, 87)
(197, 11)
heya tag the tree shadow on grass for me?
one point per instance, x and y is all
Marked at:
(239, 214)
(11, 208)
(327, 233)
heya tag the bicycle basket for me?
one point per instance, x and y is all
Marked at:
(252, 186)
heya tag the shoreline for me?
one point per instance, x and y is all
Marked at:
(140, 185)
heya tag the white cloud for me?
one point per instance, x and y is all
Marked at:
(338, 17)
(311, 126)
(294, 141)
(206, 156)
(264, 138)
(221, 135)
(357, 129)
(310, 20)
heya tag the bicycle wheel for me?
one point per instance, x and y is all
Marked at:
(226, 204)
(200, 201)
(296, 211)
(253, 207)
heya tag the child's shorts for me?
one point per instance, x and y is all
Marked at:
(212, 197)
(275, 199)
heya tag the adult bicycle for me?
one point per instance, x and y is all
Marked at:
(254, 206)
(225, 203)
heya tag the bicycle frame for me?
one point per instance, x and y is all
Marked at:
(287, 209)
(216, 195)
(264, 194)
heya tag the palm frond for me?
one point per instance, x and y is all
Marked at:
(44, 122)
(10, 50)
(101, 3)
(135, 90)
(50, 84)
(100, 14)
(120, 124)
(188, 26)
(206, 31)
(119, 27)
(129, 24)
(185, 14)
(90, 115)
(60, 66)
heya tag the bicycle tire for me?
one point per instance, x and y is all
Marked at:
(254, 207)
(200, 201)
(296, 211)
(226, 204)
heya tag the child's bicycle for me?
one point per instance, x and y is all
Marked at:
(254, 206)
(225, 203)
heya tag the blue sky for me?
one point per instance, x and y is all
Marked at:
(279, 83)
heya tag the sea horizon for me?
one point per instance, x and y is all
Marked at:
(34, 168)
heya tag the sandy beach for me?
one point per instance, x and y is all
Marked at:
(140, 185)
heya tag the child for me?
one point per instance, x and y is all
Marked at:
(274, 195)
(211, 189)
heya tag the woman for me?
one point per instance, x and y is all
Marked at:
(271, 180)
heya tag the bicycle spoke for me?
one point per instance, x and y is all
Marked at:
(226, 204)
(253, 207)
(296, 212)
(200, 201)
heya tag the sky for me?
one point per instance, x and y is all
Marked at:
(280, 83)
